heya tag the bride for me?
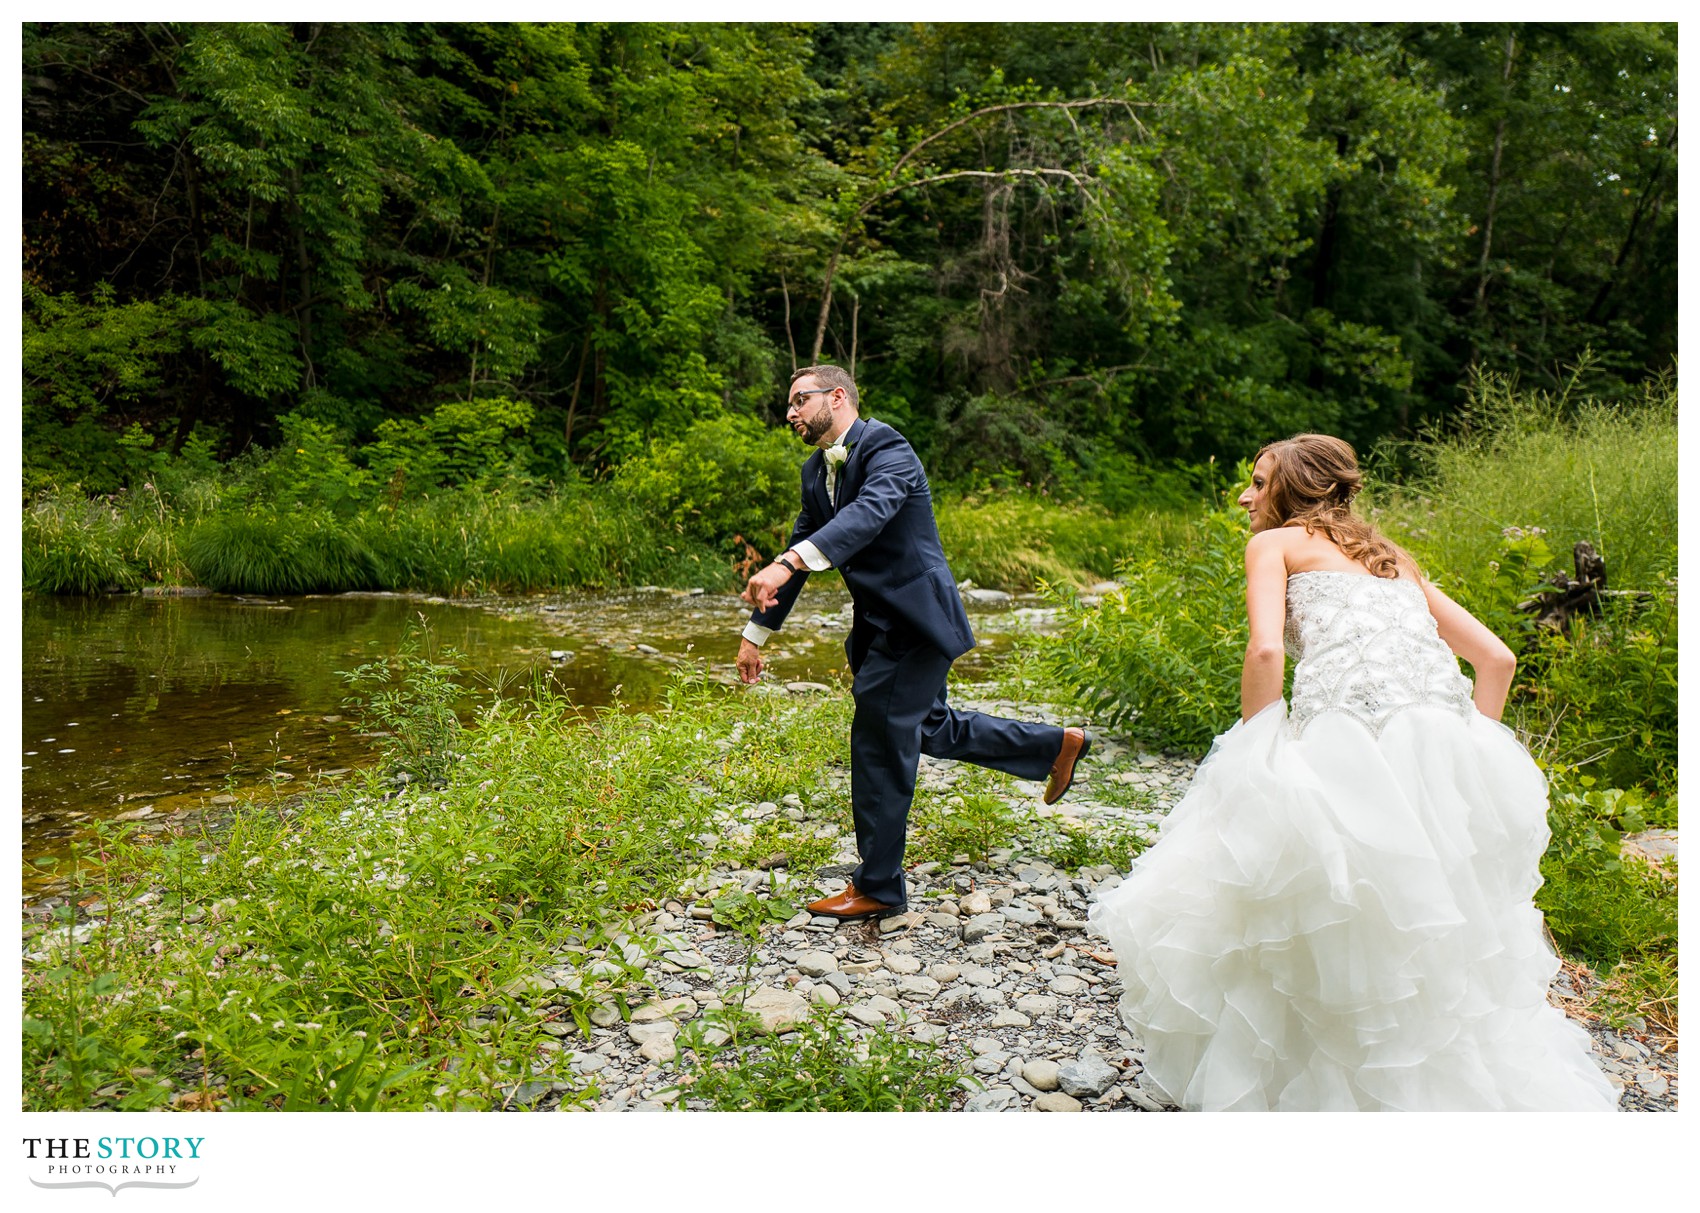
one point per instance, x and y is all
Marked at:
(1337, 916)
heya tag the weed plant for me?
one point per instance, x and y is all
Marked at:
(1615, 912)
(410, 699)
(975, 817)
(816, 1067)
(1161, 655)
(1599, 905)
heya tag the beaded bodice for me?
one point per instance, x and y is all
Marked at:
(1366, 646)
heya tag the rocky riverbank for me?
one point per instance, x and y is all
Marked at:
(994, 963)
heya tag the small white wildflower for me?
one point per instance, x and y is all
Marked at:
(255, 1017)
(278, 1025)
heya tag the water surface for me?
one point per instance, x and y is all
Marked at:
(142, 706)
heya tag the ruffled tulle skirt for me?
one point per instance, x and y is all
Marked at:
(1341, 921)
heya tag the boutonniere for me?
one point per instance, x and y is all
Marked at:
(836, 456)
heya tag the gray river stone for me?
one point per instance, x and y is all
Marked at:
(997, 1099)
(1042, 1073)
(1089, 1077)
(816, 964)
(776, 1010)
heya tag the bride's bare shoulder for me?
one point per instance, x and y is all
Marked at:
(1299, 551)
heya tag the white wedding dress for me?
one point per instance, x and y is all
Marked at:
(1337, 916)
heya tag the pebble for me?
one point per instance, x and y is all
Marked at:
(817, 964)
(1042, 1073)
(1056, 1101)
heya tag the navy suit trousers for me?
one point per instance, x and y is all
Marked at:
(901, 713)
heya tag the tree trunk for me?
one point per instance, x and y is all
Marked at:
(304, 309)
(1493, 180)
(572, 405)
(825, 307)
(855, 313)
(785, 293)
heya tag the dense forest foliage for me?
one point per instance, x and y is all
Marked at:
(1052, 253)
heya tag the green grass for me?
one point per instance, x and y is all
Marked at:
(75, 546)
(474, 541)
(1017, 541)
(1596, 470)
(376, 940)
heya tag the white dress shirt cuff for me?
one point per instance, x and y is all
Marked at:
(756, 634)
(811, 557)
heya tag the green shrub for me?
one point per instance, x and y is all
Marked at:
(1599, 906)
(1161, 656)
(726, 476)
(1605, 696)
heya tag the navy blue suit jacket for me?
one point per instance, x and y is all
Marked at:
(883, 540)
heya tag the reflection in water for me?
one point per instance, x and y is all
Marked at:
(141, 703)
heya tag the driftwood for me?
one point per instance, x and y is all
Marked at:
(1572, 596)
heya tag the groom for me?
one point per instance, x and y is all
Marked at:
(868, 513)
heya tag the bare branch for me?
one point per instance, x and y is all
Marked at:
(983, 174)
(1016, 105)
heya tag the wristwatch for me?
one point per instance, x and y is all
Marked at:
(780, 559)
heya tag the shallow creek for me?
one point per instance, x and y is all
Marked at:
(145, 706)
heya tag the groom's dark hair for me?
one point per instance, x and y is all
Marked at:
(831, 376)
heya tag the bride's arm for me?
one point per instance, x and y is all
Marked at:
(1266, 612)
(1474, 641)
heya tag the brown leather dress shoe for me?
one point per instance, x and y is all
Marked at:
(852, 904)
(1076, 743)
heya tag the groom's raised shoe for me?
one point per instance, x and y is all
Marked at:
(852, 904)
(1076, 743)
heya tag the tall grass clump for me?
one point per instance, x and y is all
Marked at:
(72, 545)
(1602, 471)
(269, 551)
(1016, 541)
(369, 947)
(1494, 511)
(472, 542)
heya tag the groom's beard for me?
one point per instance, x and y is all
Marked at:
(811, 429)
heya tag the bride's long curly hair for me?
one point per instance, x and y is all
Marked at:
(1313, 481)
